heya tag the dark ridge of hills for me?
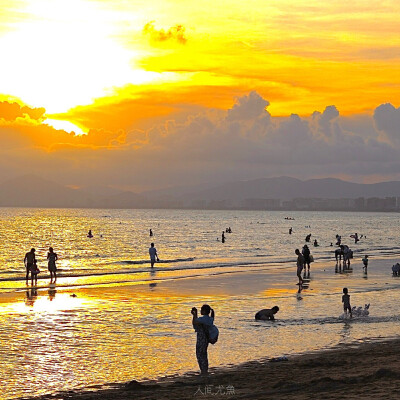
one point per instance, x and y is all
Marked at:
(285, 188)
(32, 191)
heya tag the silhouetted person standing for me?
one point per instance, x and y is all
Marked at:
(300, 265)
(153, 255)
(52, 258)
(201, 325)
(29, 262)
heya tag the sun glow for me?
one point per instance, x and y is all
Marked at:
(65, 55)
(66, 126)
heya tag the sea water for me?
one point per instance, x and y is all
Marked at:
(110, 318)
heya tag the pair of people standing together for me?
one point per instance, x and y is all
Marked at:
(32, 268)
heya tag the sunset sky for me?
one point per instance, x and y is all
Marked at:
(149, 94)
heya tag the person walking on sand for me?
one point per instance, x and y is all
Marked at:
(52, 258)
(201, 326)
(346, 301)
(29, 260)
(300, 265)
(223, 237)
(153, 255)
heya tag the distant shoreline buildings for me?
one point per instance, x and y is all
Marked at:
(371, 204)
(387, 204)
(270, 194)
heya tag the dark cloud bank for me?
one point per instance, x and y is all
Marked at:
(213, 146)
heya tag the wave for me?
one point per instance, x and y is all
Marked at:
(137, 271)
(139, 262)
(328, 320)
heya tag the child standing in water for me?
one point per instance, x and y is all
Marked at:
(365, 262)
(34, 272)
(346, 301)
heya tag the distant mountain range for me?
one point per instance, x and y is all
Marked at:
(32, 191)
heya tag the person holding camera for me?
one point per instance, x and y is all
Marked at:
(201, 326)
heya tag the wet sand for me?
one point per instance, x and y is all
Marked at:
(369, 371)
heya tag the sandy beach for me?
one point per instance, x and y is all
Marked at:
(370, 371)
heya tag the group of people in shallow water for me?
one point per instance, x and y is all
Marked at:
(308, 239)
(227, 230)
(33, 270)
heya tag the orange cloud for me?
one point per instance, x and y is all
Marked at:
(26, 127)
(176, 33)
(12, 111)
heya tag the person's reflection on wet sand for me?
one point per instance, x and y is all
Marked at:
(52, 292)
(31, 296)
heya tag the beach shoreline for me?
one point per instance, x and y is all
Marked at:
(367, 370)
(237, 296)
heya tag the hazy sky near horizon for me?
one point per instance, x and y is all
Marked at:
(147, 94)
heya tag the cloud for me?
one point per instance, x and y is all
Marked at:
(387, 120)
(12, 111)
(248, 107)
(26, 127)
(175, 33)
(208, 145)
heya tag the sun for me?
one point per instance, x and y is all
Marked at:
(66, 126)
(64, 54)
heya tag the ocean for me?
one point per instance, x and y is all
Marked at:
(110, 318)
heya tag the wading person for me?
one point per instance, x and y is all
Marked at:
(300, 266)
(153, 255)
(52, 258)
(29, 260)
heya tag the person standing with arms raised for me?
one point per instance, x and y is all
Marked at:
(202, 325)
